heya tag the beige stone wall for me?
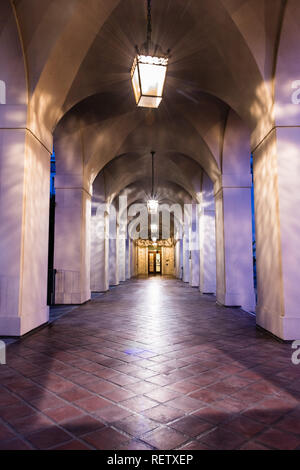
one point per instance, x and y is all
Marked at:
(142, 254)
(168, 264)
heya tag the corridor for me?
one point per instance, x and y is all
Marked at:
(151, 364)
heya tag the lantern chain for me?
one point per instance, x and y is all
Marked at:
(152, 153)
(149, 28)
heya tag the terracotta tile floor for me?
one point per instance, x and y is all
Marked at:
(150, 365)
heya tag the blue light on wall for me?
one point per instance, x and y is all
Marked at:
(52, 174)
(253, 225)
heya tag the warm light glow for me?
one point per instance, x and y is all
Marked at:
(148, 78)
(154, 228)
(154, 239)
(152, 206)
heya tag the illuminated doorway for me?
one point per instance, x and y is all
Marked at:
(154, 260)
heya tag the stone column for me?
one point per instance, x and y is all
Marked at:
(177, 260)
(72, 241)
(207, 231)
(186, 247)
(99, 252)
(235, 284)
(24, 228)
(194, 248)
(133, 250)
(122, 253)
(128, 258)
(113, 249)
(277, 202)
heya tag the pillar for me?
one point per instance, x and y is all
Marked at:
(128, 259)
(277, 202)
(99, 251)
(24, 227)
(113, 249)
(133, 251)
(72, 241)
(122, 253)
(235, 284)
(186, 247)
(207, 238)
(194, 248)
(177, 260)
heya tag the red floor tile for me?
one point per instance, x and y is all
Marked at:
(15, 444)
(164, 439)
(135, 445)
(195, 445)
(82, 425)
(5, 433)
(187, 404)
(72, 445)
(63, 413)
(92, 404)
(245, 427)
(106, 439)
(289, 424)
(162, 395)
(139, 404)
(136, 425)
(184, 386)
(192, 426)
(14, 412)
(112, 413)
(32, 423)
(75, 394)
(48, 438)
(222, 439)
(280, 440)
(163, 414)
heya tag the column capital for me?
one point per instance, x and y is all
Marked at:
(71, 182)
(233, 181)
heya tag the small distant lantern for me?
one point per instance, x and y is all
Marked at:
(148, 73)
(153, 203)
(152, 206)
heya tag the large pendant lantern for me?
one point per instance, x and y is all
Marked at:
(148, 73)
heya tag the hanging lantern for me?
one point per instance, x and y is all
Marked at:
(148, 78)
(148, 73)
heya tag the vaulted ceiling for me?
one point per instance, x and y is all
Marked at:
(78, 58)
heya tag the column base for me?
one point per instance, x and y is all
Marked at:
(246, 302)
(208, 289)
(20, 326)
(285, 328)
(69, 298)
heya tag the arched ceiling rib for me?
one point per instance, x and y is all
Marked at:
(108, 129)
(132, 169)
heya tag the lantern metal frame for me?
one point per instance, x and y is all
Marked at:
(150, 55)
